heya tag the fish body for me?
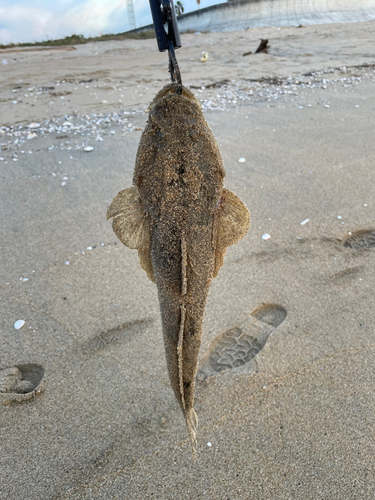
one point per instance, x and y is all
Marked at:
(181, 219)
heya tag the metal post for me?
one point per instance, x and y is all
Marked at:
(131, 17)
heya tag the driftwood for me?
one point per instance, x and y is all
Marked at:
(263, 46)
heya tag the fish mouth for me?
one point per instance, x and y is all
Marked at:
(171, 88)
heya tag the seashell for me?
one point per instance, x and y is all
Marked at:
(204, 57)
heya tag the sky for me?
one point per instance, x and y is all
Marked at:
(38, 20)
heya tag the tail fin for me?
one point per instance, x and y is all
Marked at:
(192, 426)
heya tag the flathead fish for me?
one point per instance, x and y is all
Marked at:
(181, 219)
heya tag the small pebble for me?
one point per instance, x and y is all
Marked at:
(266, 236)
(88, 149)
(34, 125)
(241, 160)
(339, 217)
(209, 445)
(304, 222)
(89, 248)
(18, 324)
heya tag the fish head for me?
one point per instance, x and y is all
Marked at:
(170, 91)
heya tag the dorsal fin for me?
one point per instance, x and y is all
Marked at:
(179, 354)
(189, 413)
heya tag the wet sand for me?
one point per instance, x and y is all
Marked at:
(294, 314)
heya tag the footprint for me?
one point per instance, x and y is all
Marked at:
(364, 238)
(272, 314)
(240, 344)
(113, 336)
(344, 276)
(21, 383)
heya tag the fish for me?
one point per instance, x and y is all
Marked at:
(180, 218)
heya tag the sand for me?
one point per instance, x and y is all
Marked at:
(296, 420)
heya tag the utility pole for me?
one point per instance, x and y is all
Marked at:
(131, 17)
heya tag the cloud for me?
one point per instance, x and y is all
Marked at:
(23, 21)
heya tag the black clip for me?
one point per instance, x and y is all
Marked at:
(163, 13)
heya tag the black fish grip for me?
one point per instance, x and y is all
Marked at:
(163, 14)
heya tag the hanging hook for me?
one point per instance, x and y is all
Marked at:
(163, 13)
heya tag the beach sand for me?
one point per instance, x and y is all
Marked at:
(296, 421)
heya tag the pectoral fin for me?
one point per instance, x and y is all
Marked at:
(232, 221)
(131, 225)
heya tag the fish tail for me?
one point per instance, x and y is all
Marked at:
(192, 426)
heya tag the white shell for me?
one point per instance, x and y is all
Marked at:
(241, 160)
(18, 324)
(88, 149)
(204, 57)
(266, 236)
(34, 125)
